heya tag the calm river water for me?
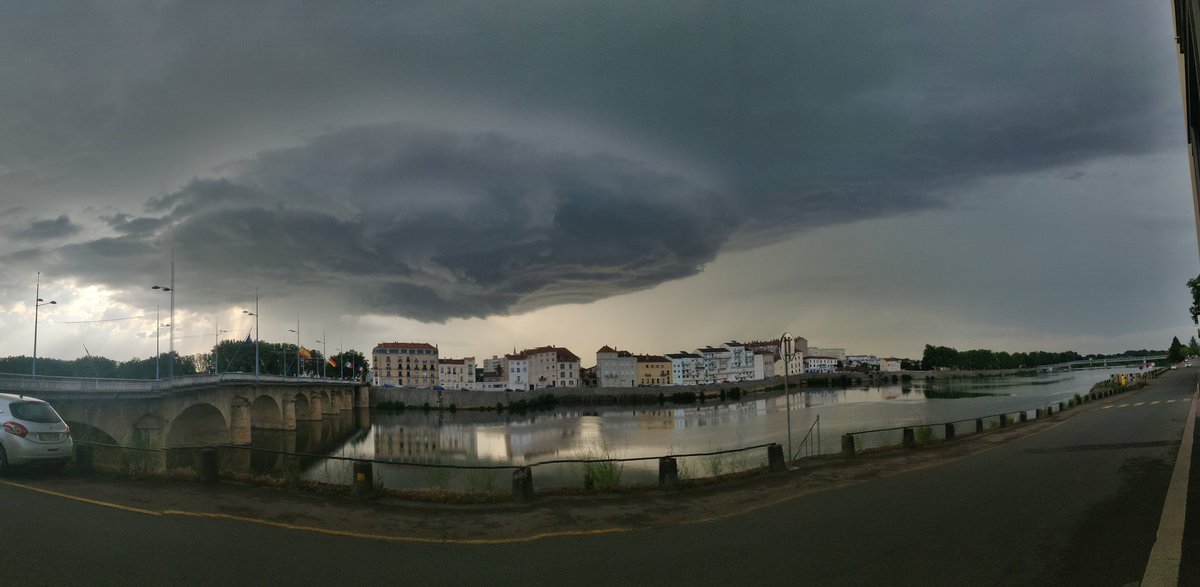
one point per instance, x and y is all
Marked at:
(488, 438)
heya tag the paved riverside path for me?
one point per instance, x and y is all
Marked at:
(1076, 503)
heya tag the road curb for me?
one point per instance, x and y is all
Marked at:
(1162, 570)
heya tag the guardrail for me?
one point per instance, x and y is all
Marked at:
(912, 435)
(473, 480)
(22, 383)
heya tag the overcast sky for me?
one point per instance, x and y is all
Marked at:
(652, 176)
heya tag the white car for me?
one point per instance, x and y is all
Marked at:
(31, 432)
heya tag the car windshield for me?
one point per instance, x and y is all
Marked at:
(34, 412)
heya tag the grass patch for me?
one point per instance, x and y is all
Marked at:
(598, 471)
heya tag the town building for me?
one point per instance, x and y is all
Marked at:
(820, 364)
(714, 365)
(764, 365)
(551, 366)
(615, 368)
(405, 364)
(889, 365)
(457, 373)
(516, 367)
(685, 368)
(653, 370)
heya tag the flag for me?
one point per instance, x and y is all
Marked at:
(350, 364)
(332, 363)
(248, 339)
(305, 353)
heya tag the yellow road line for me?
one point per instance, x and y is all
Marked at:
(1170, 401)
(81, 499)
(1155, 402)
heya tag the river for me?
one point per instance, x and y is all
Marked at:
(507, 439)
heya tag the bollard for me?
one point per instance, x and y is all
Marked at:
(1003, 420)
(522, 487)
(364, 479)
(668, 474)
(1060, 406)
(1038, 414)
(848, 446)
(978, 425)
(208, 465)
(949, 431)
(85, 460)
(775, 457)
(1024, 416)
(910, 438)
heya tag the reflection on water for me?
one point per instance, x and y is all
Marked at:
(489, 438)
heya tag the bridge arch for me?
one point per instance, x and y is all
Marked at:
(87, 433)
(304, 408)
(198, 425)
(265, 412)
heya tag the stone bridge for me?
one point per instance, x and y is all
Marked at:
(189, 411)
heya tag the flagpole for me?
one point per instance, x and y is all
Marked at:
(341, 360)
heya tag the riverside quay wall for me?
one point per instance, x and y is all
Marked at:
(413, 397)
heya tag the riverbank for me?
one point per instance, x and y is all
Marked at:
(654, 395)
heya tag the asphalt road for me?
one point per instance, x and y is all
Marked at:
(1076, 504)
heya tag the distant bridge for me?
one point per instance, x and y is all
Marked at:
(1102, 363)
(189, 411)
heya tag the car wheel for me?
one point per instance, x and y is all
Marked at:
(3, 461)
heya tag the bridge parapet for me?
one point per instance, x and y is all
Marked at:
(13, 383)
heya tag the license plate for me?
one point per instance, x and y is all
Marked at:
(49, 436)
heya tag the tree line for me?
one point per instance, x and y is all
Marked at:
(231, 356)
(943, 357)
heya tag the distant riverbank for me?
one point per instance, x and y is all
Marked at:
(598, 396)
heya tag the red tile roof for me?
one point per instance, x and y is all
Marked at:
(405, 345)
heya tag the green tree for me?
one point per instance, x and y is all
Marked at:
(1193, 347)
(1175, 352)
(1194, 285)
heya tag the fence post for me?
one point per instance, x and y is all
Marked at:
(1038, 414)
(848, 445)
(668, 474)
(208, 465)
(910, 438)
(775, 457)
(949, 431)
(1003, 420)
(522, 486)
(1060, 406)
(364, 479)
(978, 425)
(1024, 417)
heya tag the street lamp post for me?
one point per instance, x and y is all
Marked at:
(324, 357)
(216, 344)
(157, 349)
(38, 303)
(171, 329)
(786, 349)
(297, 331)
(255, 314)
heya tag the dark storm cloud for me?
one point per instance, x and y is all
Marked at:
(781, 117)
(426, 224)
(39, 230)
